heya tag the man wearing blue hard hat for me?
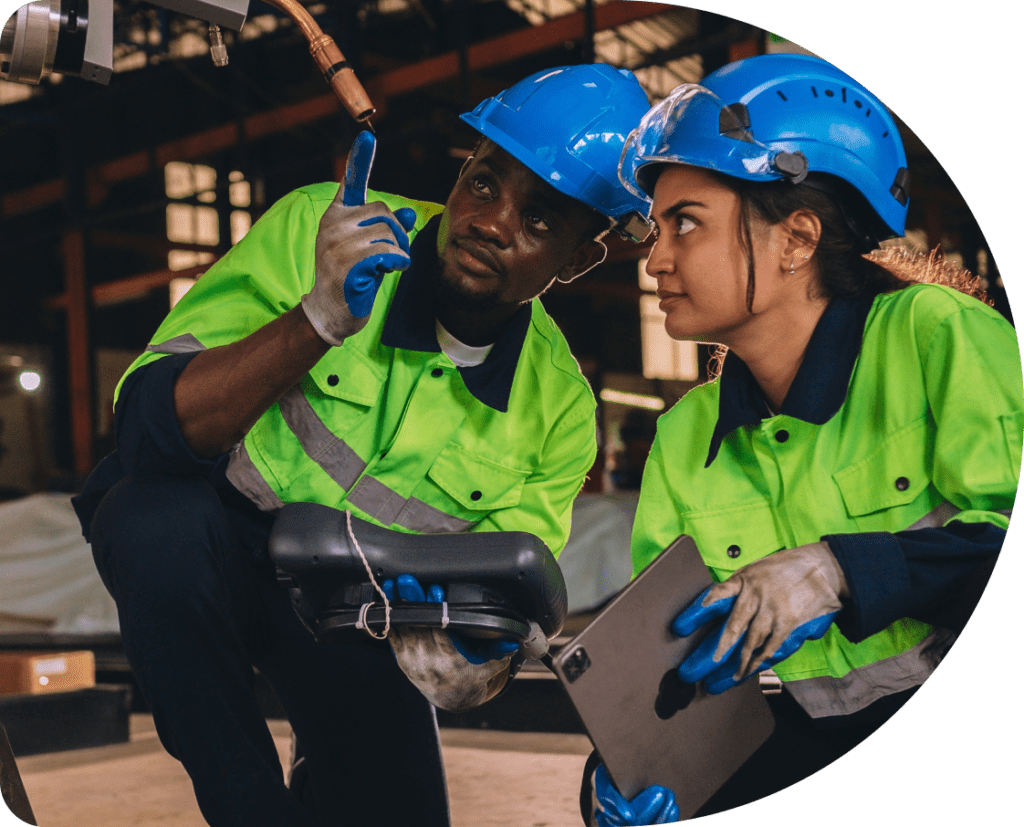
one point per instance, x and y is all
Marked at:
(375, 354)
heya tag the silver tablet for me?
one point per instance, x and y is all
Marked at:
(647, 725)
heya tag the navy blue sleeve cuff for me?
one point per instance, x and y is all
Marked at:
(146, 430)
(878, 578)
(935, 575)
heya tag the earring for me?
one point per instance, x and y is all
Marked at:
(792, 268)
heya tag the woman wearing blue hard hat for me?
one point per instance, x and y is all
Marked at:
(848, 476)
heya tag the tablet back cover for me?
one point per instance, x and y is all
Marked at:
(646, 724)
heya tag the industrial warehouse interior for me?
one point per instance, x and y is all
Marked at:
(117, 196)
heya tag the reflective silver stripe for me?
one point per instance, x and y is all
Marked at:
(943, 513)
(333, 455)
(389, 507)
(936, 517)
(825, 695)
(185, 343)
(377, 500)
(425, 519)
(343, 465)
(244, 475)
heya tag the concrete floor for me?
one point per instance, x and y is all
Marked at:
(494, 778)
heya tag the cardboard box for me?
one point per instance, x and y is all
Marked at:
(35, 673)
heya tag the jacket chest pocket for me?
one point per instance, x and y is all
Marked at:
(733, 537)
(881, 491)
(468, 485)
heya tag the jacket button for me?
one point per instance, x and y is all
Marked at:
(332, 380)
(733, 551)
(902, 484)
(476, 495)
(437, 372)
(781, 436)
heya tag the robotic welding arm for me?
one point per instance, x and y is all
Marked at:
(76, 37)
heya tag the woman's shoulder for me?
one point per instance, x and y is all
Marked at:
(925, 306)
(696, 411)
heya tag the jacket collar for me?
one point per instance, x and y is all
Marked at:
(412, 315)
(819, 388)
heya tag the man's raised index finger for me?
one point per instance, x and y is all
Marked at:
(357, 172)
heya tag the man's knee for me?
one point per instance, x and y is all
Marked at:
(151, 528)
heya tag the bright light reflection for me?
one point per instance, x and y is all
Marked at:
(635, 400)
(30, 380)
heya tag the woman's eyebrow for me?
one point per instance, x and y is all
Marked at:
(683, 203)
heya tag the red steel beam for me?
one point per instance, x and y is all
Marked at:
(488, 53)
(113, 291)
(78, 351)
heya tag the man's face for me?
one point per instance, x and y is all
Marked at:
(505, 235)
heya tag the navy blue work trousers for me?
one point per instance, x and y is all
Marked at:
(199, 609)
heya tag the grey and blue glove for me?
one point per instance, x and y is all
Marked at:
(765, 612)
(452, 673)
(356, 244)
(475, 650)
(655, 805)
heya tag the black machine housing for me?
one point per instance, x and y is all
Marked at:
(495, 583)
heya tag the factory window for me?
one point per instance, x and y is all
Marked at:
(193, 219)
(663, 356)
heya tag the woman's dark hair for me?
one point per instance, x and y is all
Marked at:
(850, 265)
(849, 230)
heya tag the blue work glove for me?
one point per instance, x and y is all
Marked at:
(356, 244)
(767, 609)
(476, 651)
(655, 805)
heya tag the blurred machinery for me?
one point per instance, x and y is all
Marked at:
(76, 37)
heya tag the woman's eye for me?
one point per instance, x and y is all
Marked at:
(684, 225)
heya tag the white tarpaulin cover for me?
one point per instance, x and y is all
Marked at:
(48, 582)
(596, 561)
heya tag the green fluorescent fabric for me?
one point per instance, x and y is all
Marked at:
(391, 434)
(934, 414)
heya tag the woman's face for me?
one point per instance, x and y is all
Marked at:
(699, 260)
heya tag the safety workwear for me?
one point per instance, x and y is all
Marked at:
(928, 432)
(569, 125)
(654, 805)
(777, 117)
(766, 610)
(356, 244)
(391, 434)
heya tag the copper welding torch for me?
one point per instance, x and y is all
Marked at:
(332, 63)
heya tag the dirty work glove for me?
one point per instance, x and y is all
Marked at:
(434, 664)
(655, 805)
(356, 244)
(770, 608)
(475, 650)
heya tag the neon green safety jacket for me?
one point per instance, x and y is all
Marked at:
(390, 433)
(931, 427)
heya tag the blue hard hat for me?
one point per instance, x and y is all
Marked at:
(776, 117)
(569, 125)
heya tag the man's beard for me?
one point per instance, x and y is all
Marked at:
(446, 293)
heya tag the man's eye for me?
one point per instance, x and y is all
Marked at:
(480, 185)
(538, 222)
(684, 224)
